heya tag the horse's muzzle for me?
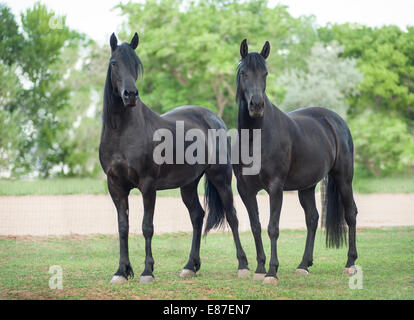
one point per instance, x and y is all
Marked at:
(130, 102)
(130, 98)
(256, 111)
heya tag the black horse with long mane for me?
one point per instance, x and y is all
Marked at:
(298, 149)
(126, 155)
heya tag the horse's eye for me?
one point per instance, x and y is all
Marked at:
(113, 62)
(265, 75)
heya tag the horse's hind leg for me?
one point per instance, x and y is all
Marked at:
(307, 201)
(342, 175)
(344, 185)
(221, 179)
(190, 198)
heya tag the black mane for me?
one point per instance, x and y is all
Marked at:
(253, 61)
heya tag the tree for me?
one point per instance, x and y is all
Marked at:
(386, 58)
(10, 88)
(383, 144)
(11, 41)
(382, 116)
(35, 58)
(81, 140)
(329, 80)
(190, 50)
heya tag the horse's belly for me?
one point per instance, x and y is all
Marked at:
(177, 175)
(308, 172)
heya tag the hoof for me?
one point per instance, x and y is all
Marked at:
(243, 273)
(118, 280)
(351, 270)
(302, 272)
(270, 280)
(259, 276)
(146, 279)
(187, 273)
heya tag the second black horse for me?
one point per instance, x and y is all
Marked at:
(298, 149)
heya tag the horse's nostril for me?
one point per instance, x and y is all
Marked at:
(133, 93)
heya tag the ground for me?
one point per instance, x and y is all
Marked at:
(386, 256)
(78, 232)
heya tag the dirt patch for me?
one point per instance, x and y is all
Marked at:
(76, 216)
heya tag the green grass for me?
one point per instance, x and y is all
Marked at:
(98, 186)
(386, 256)
(65, 186)
(384, 185)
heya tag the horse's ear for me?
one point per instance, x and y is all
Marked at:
(266, 50)
(244, 49)
(113, 42)
(134, 41)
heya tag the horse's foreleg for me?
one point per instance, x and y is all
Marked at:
(276, 197)
(249, 199)
(120, 199)
(148, 231)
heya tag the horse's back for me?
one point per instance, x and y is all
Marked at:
(318, 114)
(311, 119)
(319, 136)
(195, 116)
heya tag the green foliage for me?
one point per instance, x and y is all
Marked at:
(328, 81)
(44, 96)
(10, 88)
(10, 139)
(51, 78)
(383, 144)
(80, 141)
(43, 45)
(11, 41)
(190, 50)
(386, 58)
(47, 96)
(384, 136)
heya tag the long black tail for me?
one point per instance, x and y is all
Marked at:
(332, 214)
(214, 206)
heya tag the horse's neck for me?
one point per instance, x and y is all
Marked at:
(272, 115)
(117, 117)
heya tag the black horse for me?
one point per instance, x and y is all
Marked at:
(298, 150)
(126, 155)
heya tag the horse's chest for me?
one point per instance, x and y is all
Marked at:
(121, 157)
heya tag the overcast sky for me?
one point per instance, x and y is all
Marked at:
(98, 20)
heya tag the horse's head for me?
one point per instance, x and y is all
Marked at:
(251, 79)
(124, 67)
